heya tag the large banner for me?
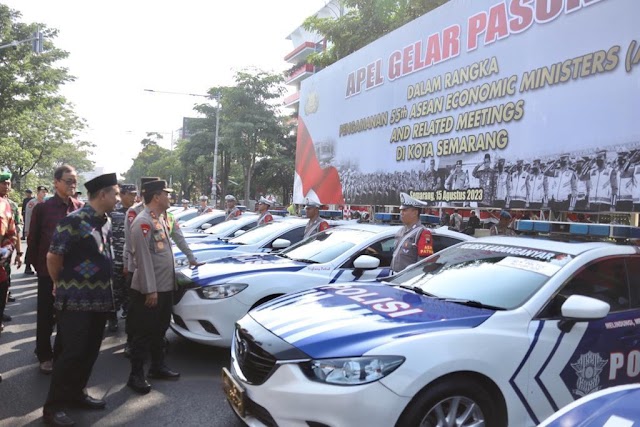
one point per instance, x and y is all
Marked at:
(482, 103)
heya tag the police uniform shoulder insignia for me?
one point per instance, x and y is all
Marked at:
(145, 229)
(131, 215)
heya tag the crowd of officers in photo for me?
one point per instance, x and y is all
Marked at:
(600, 181)
(93, 261)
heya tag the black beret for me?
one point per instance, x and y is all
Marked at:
(101, 181)
(28, 191)
(157, 185)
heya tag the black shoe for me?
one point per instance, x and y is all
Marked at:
(6, 317)
(127, 351)
(139, 384)
(29, 271)
(123, 315)
(163, 373)
(89, 402)
(58, 418)
(113, 325)
(10, 298)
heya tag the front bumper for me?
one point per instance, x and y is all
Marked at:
(287, 398)
(209, 322)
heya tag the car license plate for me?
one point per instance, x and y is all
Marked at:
(233, 391)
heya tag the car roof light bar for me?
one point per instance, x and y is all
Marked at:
(613, 231)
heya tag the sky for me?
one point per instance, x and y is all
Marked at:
(119, 48)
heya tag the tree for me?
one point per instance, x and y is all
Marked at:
(250, 124)
(38, 127)
(364, 22)
(152, 160)
(277, 171)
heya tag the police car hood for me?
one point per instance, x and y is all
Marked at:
(225, 269)
(617, 407)
(350, 320)
(213, 245)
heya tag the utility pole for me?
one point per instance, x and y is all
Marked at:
(214, 178)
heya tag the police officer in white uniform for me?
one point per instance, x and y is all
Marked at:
(413, 241)
(602, 187)
(263, 209)
(315, 224)
(232, 210)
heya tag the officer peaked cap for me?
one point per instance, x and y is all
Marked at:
(157, 185)
(128, 188)
(406, 201)
(264, 201)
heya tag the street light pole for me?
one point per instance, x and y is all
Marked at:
(214, 185)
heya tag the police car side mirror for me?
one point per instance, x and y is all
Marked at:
(205, 226)
(364, 262)
(280, 244)
(579, 308)
(238, 233)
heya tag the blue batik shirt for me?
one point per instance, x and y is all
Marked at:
(83, 238)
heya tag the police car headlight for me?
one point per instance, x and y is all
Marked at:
(182, 262)
(352, 370)
(221, 291)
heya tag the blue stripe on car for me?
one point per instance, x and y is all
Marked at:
(543, 367)
(512, 380)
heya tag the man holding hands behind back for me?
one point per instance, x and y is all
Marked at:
(80, 264)
(152, 287)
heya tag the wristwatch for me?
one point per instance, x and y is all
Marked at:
(19, 253)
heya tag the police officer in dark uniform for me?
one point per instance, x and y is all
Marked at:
(413, 241)
(80, 264)
(128, 193)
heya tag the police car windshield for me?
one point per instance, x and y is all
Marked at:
(199, 220)
(327, 245)
(256, 235)
(225, 227)
(494, 275)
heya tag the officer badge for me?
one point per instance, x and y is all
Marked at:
(145, 229)
(588, 369)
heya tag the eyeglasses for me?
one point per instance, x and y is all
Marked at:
(69, 181)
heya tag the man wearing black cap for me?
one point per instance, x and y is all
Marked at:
(486, 176)
(128, 194)
(413, 241)
(44, 219)
(80, 264)
(152, 287)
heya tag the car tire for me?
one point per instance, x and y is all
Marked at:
(450, 398)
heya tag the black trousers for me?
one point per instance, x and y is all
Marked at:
(80, 338)
(4, 290)
(147, 327)
(44, 319)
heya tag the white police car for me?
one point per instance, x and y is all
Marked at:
(214, 296)
(497, 331)
(611, 407)
(245, 222)
(278, 234)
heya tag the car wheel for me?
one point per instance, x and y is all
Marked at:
(454, 402)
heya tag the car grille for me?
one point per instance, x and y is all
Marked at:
(255, 363)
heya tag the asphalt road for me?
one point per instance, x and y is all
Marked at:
(194, 400)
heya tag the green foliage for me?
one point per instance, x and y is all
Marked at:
(364, 22)
(38, 126)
